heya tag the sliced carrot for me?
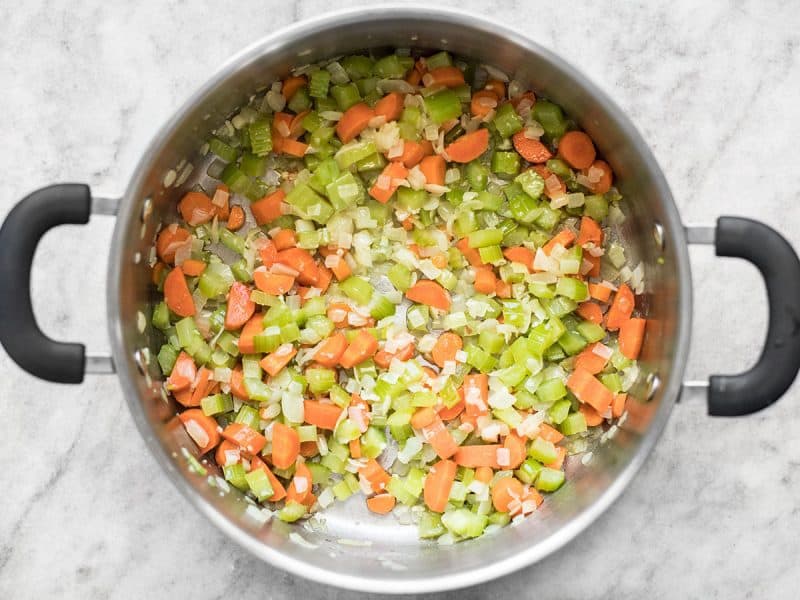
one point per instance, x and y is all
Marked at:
(341, 270)
(590, 361)
(618, 406)
(237, 383)
(324, 416)
(331, 350)
(507, 492)
(375, 475)
(590, 232)
(285, 445)
(325, 278)
(192, 267)
(292, 84)
(268, 208)
(484, 474)
(559, 461)
(362, 347)
(516, 450)
(447, 76)
(274, 362)
(433, 167)
(177, 295)
(283, 239)
(590, 311)
(588, 389)
(235, 218)
(294, 147)
(196, 208)
(227, 453)
(448, 414)
(520, 254)
(429, 293)
(300, 487)
(447, 346)
(577, 149)
(268, 253)
(565, 237)
(476, 394)
(278, 491)
(485, 280)
(183, 373)
(550, 434)
(296, 128)
(603, 184)
(381, 503)
(497, 87)
(337, 312)
(599, 292)
(202, 386)
(390, 106)
(595, 262)
(621, 309)
(275, 284)
(355, 448)
(251, 329)
(502, 289)
(440, 439)
(471, 254)
(438, 482)
(201, 428)
(250, 440)
(158, 273)
(240, 307)
(423, 417)
(530, 149)
(631, 335)
(413, 153)
(385, 185)
(469, 146)
(309, 449)
(481, 455)
(169, 240)
(593, 418)
(354, 121)
(301, 261)
(482, 103)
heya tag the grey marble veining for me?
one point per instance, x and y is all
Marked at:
(714, 88)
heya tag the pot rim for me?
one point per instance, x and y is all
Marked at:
(673, 228)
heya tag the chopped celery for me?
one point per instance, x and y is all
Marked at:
(216, 404)
(550, 117)
(309, 204)
(574, 423)
(507, 121)
(443, 106)
(318, 83)
(505, 164)
(531, 182)
(549, 480)
(346, 95)
(485, 237)
(542, 450)
(259, 484)
(291, 511)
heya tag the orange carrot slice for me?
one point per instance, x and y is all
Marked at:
(469, 146)
(177, 294)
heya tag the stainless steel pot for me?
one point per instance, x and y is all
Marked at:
(394, 560)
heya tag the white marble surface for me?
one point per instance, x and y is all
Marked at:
(86, 512)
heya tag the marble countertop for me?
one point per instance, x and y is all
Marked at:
(87, 513)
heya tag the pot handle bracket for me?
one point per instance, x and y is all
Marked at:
(759, 387)
(28, 221)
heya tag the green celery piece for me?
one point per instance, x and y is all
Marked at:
(309, 204)
(485, 237)
(507, 121)
(443, 106)
(550, 117)
(574, 423)
(549, 480)
(531, 183)
(345, 191)
(260, 137)
(318, 83)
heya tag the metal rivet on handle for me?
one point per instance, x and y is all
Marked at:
(658, 235)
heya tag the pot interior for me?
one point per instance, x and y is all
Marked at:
(349, 546)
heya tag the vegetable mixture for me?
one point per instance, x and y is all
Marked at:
(398, 286)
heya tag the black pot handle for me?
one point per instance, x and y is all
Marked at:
(28, 221)
(766, 382)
